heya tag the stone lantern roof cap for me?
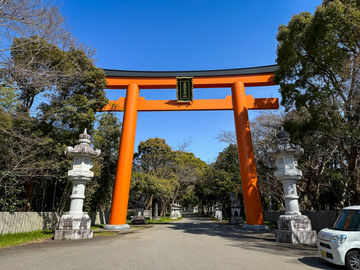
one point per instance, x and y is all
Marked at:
(285, 147)
(84, 136)
(84, 149)
(283, 135)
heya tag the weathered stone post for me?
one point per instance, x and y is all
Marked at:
(156, 212)
(292, 227)
(76, 224)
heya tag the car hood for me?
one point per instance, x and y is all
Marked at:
(325, 234)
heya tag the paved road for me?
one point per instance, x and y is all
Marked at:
(192, 243)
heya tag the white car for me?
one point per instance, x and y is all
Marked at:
(341, 243)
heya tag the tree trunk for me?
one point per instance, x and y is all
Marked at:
(29, 187)
(149, 204)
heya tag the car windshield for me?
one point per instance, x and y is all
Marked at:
(348, 220)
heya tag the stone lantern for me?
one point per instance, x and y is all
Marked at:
(76, 224)
(292, 227)
(218, 211)
(175, 211)
(235, 206)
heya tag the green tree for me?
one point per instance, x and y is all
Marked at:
(154, 158)
(153, 155)
(321, 186)
(107, 138)
(43, 64)
(188, 169)
(215, 186)
(32, 159)
(8, 99)
(169, 170)
(67, 78)
(26, 162)
(145, 187)
(228, 161)
(318, 57)
(220, 179)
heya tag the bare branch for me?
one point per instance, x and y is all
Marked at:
(183, 146)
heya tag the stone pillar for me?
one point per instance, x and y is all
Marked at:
(76, 224)
(156, 213)
(292, 227)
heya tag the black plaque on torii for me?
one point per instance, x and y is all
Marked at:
(184, 89)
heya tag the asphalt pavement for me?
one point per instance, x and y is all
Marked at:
(192, 243)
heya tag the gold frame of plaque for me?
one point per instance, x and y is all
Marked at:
(184, 89)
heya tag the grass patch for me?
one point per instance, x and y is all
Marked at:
(15, 239)
(140, 227)
(271, 224)
(97, 233)
(162, 220)
(97, 226)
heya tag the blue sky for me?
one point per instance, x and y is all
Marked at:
(183, 35)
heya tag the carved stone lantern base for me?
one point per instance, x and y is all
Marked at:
(295, 229)
(236, 220)
(235, 216)
(235, 205)
(73, 227)
(218, 215)
(175, 211)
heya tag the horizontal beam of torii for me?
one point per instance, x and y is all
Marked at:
(197, 105)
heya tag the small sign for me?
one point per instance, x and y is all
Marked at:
(184, 89)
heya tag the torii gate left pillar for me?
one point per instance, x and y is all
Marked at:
(238, 102)
(124, 164)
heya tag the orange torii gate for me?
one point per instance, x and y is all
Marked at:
(236, 79)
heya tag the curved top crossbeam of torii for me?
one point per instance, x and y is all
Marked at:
(253, 76)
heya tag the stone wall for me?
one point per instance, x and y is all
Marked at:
(34, 221)
(319, 219)
(27, 221)
(99, 217)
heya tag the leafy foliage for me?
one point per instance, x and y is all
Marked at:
(32, 164)
(220, 179)
(163, 175)
(318, 57)
(107, 138)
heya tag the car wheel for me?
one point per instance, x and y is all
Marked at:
(352, 260)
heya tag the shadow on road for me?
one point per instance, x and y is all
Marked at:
(261, 241)
(319, 263)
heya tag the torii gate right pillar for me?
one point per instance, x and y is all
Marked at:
(250, 187)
